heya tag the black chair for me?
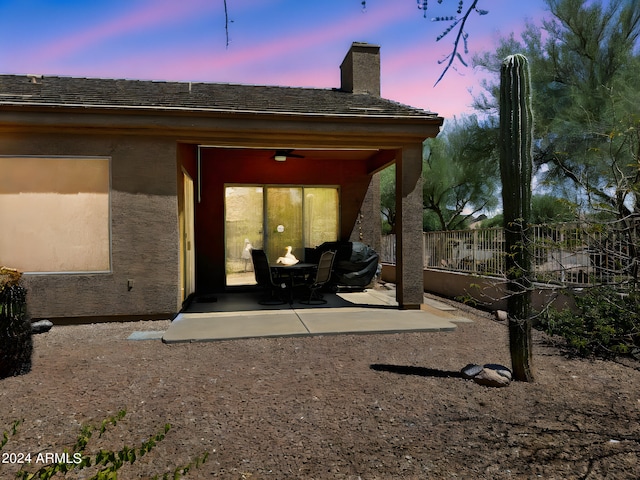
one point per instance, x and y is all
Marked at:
(274, 292)
(322, 276)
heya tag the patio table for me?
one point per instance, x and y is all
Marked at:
(289, 273)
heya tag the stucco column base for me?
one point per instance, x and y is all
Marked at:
(412, 306)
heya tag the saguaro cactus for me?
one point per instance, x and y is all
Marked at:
(516, 132)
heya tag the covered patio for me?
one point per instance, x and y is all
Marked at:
(234, 315)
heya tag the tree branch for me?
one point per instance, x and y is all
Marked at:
(226, 22)
(422, 5)
(456, 44)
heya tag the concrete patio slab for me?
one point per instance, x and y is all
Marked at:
(369, 297)
(439, 305)
(152, 335)
(238, 315)
(372, 320)
(458, 319)
(202, 327)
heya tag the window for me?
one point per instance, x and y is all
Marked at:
(55, 214)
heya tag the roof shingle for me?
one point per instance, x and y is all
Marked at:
(196, 96)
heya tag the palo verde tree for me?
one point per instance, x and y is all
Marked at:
(590, 128)
(460, 172)
(584, 62)
(460, 176)
(516, 133)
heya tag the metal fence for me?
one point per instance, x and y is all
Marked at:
(562, 253)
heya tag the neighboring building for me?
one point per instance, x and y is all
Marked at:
(123, 197)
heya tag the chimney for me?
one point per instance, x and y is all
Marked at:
(360, 69)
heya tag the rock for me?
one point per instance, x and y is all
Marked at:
(491, 378)
(501, 369)
(490, 375)
(41, 326)
(501, 315)
(471, 371)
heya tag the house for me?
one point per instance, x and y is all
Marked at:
(120, 198)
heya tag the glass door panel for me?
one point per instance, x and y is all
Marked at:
(320, 216)
(284, 222)
(243, 231)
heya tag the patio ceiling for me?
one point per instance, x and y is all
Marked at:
(375, 159)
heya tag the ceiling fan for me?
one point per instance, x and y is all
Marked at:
(281, 155)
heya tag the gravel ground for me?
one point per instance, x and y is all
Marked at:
(326, 407)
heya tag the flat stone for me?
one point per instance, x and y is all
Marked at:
(491, 378)
(41, 326)
(500, 369)
(471, 370)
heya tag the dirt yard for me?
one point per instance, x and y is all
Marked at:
(326, 407)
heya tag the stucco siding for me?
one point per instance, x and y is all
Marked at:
(143, 230)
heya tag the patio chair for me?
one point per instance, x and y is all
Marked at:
(322, 276)
(274, 292)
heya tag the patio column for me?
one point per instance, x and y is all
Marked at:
(367, 228)
(409, 275)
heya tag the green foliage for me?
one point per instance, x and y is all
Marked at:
(6, 433)
(16, 343)
(460, 172)
(584, 64)
(551, 209)
(606, 323)
(460, 177)
(545, 209)
(388, 199)
(105, 463)
(468, 298)
(430, 221)
(495, 221)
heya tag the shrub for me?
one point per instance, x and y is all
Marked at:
(606, 323)
(16, 344)
(103, 465)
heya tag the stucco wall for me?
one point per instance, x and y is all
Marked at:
(144, 230)
(488, 292)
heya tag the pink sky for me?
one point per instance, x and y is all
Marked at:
(273, 42)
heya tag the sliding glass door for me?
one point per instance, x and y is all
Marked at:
(274, 218)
